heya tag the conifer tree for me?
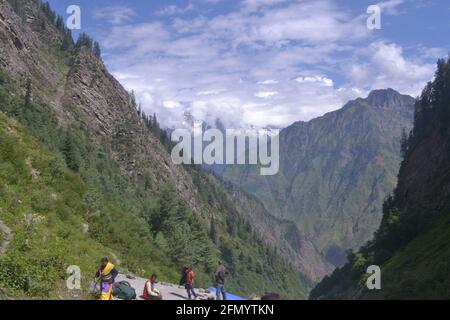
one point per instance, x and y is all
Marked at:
(213, 234)
(60, 24)
(67, 43)
(404, 143)
(84, 41)
(28, 94)
(97, 50)
(155, 126)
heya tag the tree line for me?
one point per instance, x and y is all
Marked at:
(48, 16)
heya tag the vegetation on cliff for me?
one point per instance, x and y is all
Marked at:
(411, 246)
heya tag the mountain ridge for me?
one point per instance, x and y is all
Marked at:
(343, 148)
(411, 246)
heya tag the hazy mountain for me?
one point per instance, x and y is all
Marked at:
(412, 245)
(335, 172)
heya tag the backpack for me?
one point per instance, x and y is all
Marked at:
(124, 291)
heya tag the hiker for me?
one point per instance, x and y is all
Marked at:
(220, 275)
(190, 277)
(106, 274)
(183, 275)
(150, 292)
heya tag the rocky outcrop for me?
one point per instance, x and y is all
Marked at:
(24, 53)
(6, 237)
(82, 91)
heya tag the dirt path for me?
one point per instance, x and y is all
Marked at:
(6, 237)
(169, 291)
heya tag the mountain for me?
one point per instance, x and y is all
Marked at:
(84, 174)
(335, 172)
(412, 244)
(281, 234)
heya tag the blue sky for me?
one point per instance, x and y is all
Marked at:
(263, 62)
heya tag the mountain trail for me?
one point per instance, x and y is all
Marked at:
(169, 291)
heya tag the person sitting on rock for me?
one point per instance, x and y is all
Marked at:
(150, 292)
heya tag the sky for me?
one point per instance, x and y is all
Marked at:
(263, 63)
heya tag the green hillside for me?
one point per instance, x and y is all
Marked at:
(83, 176)
(66, 203)
(412, 245)
(335, 172)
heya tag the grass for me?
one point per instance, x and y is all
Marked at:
(419, 270)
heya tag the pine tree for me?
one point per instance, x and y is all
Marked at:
(155, 126)
(404, 144)
(71, 153)
(213, 234)
(84, 41)
(60, 24)
(48, 12)
(149, 122)
(28, 94)
(67, 43)
(97, 50)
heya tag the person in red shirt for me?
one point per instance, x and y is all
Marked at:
(190, 278)
(150, 292)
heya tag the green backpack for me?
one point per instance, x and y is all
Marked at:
(124, 291)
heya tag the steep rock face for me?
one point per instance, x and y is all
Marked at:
(81, 90)
(101, 103)
(21, 53)
(335, 171)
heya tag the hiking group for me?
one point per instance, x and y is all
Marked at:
(188, 280)
(107, 273)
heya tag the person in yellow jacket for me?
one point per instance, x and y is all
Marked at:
(106, 274)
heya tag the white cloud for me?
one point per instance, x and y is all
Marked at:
(114, 14)
(244, 66)
(387, 67)
(254, 5)
(266, 94)
(209, 92)
(316, 79)
(308, 21)
(390, 6)
(171, 104)
(268, 82)
(171, 10)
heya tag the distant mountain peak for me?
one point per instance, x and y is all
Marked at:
(388, 98)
